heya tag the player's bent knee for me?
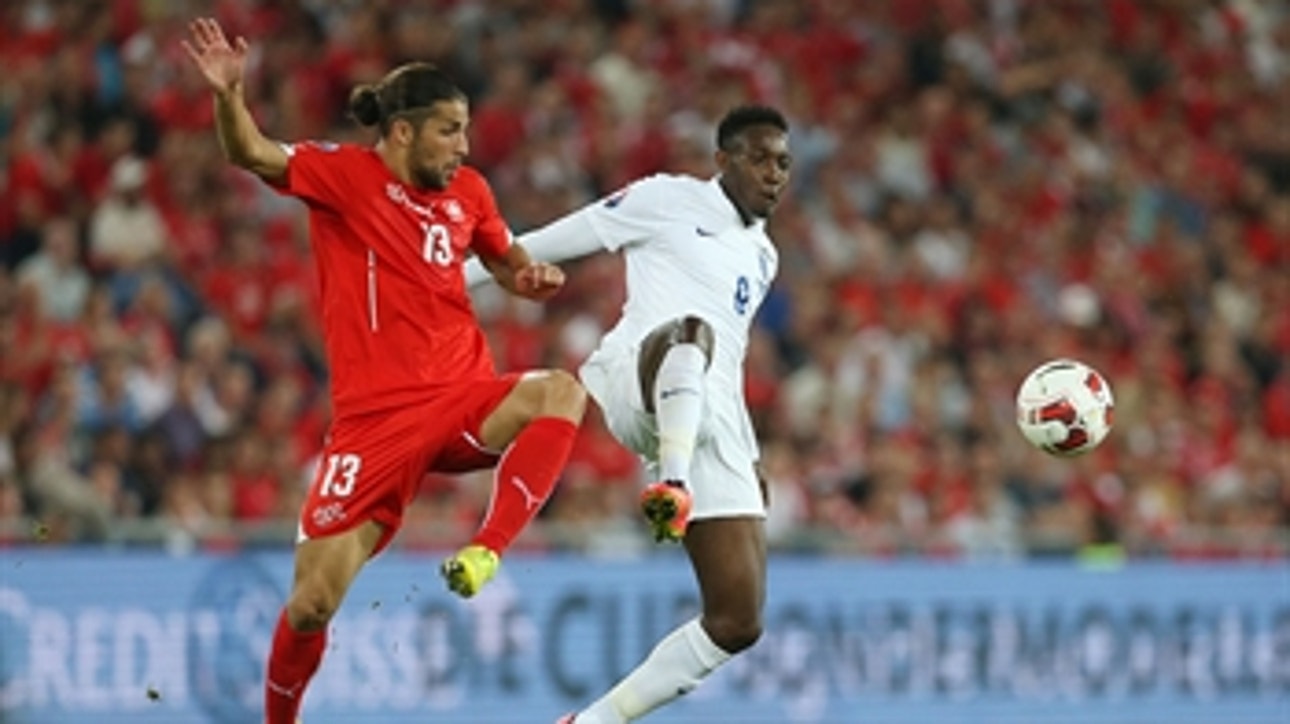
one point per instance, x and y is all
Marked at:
(695, 324)
(562, 396)
(311, 608)
(695, 330)
(733, 634)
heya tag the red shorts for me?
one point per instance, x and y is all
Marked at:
(372, 464)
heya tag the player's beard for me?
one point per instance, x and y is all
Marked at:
(426, 172)
(426, 177)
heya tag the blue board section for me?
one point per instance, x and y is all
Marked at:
(107, 638)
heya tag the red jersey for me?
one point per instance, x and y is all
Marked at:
(396, 318)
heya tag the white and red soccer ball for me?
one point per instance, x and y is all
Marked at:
(1065, 408)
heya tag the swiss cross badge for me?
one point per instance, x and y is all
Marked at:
(453, 210)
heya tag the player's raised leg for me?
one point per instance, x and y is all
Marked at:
(673, 361)
(324, 570)
(535, 424)
(729, 559)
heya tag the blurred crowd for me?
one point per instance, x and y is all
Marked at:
(979, 186)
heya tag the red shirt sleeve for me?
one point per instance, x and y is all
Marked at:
(318, 173)
(492, 236)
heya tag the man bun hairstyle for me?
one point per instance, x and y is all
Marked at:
(737, 120)
(365, 105)
(406, 91)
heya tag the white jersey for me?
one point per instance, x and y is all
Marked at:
(688, 252)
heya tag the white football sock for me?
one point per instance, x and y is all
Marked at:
(676, 665)
(678, 408)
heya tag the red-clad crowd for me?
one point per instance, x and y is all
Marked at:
(978, 187)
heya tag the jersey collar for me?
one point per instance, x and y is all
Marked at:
(738, 215)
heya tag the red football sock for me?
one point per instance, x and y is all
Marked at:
(525, 477)
(292, 663)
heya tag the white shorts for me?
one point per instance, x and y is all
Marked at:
(723, 482)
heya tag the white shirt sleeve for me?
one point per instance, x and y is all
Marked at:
(633, 214)
(566, 238)
(475, 272)
(628, 216)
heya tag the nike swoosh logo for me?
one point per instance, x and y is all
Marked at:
(704, 232)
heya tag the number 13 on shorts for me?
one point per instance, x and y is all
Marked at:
(340, 475)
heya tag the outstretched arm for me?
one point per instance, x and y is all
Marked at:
(567, 238)
(520, 275)
(223, 66)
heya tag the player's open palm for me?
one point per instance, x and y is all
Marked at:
(219, 61)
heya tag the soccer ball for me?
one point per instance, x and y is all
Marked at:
(1065, 408)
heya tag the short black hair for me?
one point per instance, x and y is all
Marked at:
(737, 120)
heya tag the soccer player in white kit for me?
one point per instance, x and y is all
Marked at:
(669, 379)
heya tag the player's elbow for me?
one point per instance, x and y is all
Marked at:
(240, 157)
(263, 158)
(269, 164)
(267, 170)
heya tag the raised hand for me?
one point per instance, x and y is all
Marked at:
(221, 63)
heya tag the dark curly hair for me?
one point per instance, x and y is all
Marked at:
(739, 119)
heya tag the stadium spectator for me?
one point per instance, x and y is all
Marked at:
(1018, 179)
(56, 272)
(126, 230)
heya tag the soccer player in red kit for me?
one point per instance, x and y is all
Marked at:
(412, 381)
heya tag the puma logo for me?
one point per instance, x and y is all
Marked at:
(288, 691)
(531, 501)
(328, 515)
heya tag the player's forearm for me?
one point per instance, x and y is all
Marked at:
(500, 269)
(569, 237)
(241, 140)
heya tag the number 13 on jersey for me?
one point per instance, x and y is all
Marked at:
(340, 475)
(437, 245)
